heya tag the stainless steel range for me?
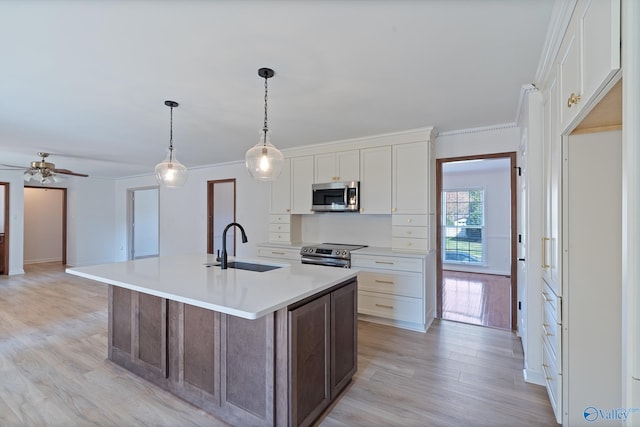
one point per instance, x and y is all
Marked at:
(330, 254)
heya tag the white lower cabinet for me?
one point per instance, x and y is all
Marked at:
(282, 253)
(392, 289)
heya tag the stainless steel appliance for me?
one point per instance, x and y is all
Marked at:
(336, 197)
(330, 254)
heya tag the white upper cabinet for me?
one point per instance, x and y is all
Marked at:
(281, 190)
(570, 81)
(375, 182)
(600, 31)
(339, 166)
(589, 56)
(411, 171)
(301, 181)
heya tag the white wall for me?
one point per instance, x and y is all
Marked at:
(470, 142)
(43, 222)
(183, 211)
(497, 231)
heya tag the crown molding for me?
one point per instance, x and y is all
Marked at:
(479, 129)
(560, 17)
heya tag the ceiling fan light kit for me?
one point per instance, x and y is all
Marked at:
(264, 161)
(43, 172)
(171, 173)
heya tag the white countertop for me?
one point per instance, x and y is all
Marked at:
(242, 293)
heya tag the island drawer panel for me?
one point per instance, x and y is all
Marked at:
(386, 262)
(405, 284)
(121, 318)
(391, 307)
(199, 339)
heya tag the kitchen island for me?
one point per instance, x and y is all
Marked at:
(252, 348)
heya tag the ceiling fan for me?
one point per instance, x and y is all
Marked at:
(43, 172)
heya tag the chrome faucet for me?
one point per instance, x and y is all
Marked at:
(223, 256)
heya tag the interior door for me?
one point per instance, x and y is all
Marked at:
(221, 201)
(145, 223)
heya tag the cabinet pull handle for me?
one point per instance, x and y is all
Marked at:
(277, 253)
(385, 262)
(384, 306)
(393, 209)
(544, 253)
(288, 210)
(386, 282)
(573, 99)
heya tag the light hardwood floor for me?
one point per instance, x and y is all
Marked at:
(478, 299)
(53, 370)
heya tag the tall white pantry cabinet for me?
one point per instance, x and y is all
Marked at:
(581, 242)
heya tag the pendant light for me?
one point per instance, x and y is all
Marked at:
(171, 173)
(264, 161)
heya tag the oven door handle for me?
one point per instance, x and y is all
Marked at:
(324, 261)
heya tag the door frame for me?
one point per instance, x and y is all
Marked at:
(64, 216)
(130, 207)
(512, 156)
(210, 209)
(7, 211)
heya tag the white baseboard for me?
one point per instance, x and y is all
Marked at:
(43, 260)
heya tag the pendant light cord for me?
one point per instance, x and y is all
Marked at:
(265, 129)
(171, 136)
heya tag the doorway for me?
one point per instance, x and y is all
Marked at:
(476, 237)
(144, 223)
(221, 210)
(4, 228)
(45, 225)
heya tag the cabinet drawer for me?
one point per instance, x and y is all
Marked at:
(403, 244)
(288, 254)
(390, 307)
(386, 262)
(551, 330)
(553, 301)
(553, 379)
(280, 237)
(409, 220)
(405, 284)
(409, 232)
(279, 228)
(280, 219)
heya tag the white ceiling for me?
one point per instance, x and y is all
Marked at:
(87, 80)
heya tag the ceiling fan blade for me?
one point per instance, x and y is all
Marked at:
(68, 172)
(12, 166)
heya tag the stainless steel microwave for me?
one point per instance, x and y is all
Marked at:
(336, 197)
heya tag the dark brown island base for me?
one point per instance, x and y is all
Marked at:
(283, 369)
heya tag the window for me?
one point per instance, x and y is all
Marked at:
(463, 226)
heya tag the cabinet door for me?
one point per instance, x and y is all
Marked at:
(325, 167)
(600, 31)
(348, 165)
(281, 190)
(410, 190)
(375, 183)
(301, 181)
(344, 337)
(309, 368)
(150, 332)
(553, 172)
(570, 81)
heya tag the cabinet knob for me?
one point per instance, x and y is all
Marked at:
(573, 99)
(393, 209)
(361, 210)
(288, 210)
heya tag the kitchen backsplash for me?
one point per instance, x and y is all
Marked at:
(353, 228)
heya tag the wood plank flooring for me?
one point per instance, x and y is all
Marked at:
(54, 372)
(478, 299)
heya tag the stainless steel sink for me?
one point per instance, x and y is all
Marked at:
(250, 266)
